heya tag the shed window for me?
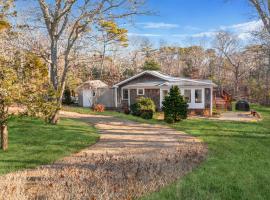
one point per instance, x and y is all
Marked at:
(125, 94)
(140, 91)
(187, 95)
(198, 96)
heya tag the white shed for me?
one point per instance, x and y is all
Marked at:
(89, 91)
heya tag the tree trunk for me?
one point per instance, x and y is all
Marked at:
(53, 68)
(102, 61)
(4, 137)
(55, 117)
(267, 82)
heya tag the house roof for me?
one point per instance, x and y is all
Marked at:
(170, 80)
(146, 84)
(92, 84)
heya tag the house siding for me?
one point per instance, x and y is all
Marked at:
(151, 93)
(154, 94)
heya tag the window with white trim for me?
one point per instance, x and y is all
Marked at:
(125, 94)
(140, 91)
(198, 96)
(187, 96)
(165, 93)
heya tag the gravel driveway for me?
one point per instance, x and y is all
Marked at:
(129, 160)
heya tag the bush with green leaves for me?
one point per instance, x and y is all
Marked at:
(151, 65)
(67, 96)
(174, 106)
(144, 107)
(147, 114)
(135, 109)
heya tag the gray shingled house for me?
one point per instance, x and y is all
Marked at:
(156, 85)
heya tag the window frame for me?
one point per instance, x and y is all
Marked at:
(201, 99)
(138, 89)
(123, 94)
(190, 96)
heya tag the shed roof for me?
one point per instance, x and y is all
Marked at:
(92, 84)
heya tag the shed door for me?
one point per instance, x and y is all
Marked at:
(87, 98)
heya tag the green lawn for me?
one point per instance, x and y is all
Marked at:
(238, 164)
(109, 113)
(33, 143)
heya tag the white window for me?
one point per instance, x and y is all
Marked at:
(125, 94)
(140, 91)
(187, 95)
(198, 96)
(164, 93)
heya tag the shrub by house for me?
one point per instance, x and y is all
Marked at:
(144, 107)
(174, 106)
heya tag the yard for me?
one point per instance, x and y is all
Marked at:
(33, 143)
(238, 163)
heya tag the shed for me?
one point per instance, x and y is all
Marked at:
(90, 91)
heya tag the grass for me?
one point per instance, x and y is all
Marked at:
(33, 142)
(238, 163)
(82, 110)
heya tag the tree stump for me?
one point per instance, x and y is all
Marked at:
(4, 137)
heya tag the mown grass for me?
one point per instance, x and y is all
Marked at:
(238, 162)
(33, 142)
(82, 110)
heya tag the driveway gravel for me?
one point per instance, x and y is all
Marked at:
(130, 160)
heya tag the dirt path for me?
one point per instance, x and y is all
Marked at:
(130, 160)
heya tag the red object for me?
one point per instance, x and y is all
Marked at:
(99, 108)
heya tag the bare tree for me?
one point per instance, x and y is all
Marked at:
(263, 10)
(229, 47)
(67, 21)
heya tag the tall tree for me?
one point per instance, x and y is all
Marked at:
(229, 47)
(151, 65)
(5, 12)
(263, 10)
(111, 34)
(8, 86)
(68, 21)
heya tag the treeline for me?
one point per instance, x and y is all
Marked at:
(241, 70)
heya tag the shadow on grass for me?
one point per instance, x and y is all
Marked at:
(33, 142)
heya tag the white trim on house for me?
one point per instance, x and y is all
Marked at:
(115, 98)
(122, 92)
(161, 97)
(128, 97)
(193, 104)
(169, 79)
(138, 89)
(131, 78)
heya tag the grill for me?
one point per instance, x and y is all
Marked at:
(242, 105)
